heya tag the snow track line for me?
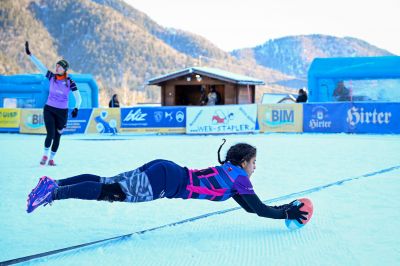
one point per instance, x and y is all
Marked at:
(123, 237)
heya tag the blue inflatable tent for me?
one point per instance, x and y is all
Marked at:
(365, 79)
(31, 91)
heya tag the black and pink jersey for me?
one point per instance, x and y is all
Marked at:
(217, 183)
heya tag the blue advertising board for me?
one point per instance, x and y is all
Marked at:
(79, 123)
(325, 117)
(373, 118)
(153, 117)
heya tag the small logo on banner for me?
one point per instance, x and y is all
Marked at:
(158, 116)
(320, 118)
(137, 116)
(180, 116)
(8, 115)
(168, 115)
(34, 121)
(220, 117)
(279, 117)
(102, 126)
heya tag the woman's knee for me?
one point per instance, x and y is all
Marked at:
(112, 192)
(50, 134)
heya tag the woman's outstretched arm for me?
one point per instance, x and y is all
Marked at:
(251, 203)
(36, 61)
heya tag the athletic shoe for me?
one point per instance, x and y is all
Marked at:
(44, 181)
(52, 163)
(44, 160)
(41, 194)
(39, 185)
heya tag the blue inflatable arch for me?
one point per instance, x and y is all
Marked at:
(364, 79)
(31, 91)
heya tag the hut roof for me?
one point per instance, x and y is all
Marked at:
(209, 72)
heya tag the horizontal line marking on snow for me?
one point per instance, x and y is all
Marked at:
(122, 237)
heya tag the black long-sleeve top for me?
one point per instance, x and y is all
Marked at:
(252, 204)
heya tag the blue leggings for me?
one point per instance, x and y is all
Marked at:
(94, 187)
(84, 186)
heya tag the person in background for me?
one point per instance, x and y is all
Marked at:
(219, 98)
(302, 97)
(203, 96)
(212, 97)
(114, 103)
(55, 111)
(163, 178)
(341, 93)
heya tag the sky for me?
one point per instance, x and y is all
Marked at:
(234, 24)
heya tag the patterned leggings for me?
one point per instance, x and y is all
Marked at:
(131, 186)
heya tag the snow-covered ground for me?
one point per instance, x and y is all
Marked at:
(355, 223)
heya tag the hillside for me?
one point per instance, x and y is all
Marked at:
(293, 55)
(122, 47)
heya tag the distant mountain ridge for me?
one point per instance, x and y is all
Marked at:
(122, 47)
(293, 55)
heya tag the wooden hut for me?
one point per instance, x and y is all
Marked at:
(185, 87)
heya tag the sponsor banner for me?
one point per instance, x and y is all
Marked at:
(79, 123)
(9, 119)
(280, 117)
(325, 117)
(32, 121)
(373, 118)
(153, 117)
(104, 121)
(221, 119)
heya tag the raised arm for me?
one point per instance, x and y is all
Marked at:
(36, 61)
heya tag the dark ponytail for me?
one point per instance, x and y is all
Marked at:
(238, 153)
(220, 147)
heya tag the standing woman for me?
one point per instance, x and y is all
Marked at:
(55, 111)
